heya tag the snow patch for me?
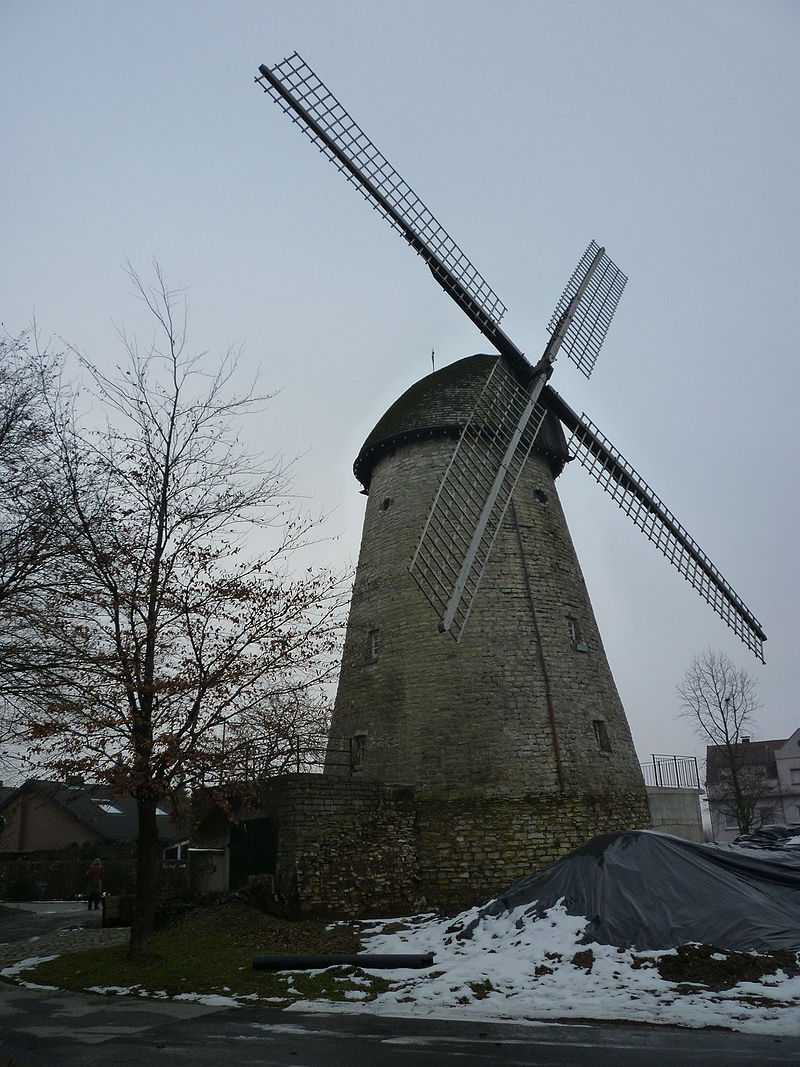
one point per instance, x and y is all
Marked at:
(25, 965)
(212, 1000)
(519, 967)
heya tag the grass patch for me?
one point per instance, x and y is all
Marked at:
(210, 951)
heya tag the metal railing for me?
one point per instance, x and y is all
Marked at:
(250, 765)
(672, 772)
(331, 756)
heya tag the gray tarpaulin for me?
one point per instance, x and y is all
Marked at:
(648, 890)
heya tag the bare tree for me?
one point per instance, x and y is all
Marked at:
(9, 757)
(721, 700)
(286, 732)
(29, 517)
(175, 631)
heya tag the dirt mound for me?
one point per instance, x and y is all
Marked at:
(708, 966)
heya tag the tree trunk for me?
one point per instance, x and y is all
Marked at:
(147, 867)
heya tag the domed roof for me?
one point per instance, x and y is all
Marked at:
(439, 405)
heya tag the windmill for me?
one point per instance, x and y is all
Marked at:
(522, 703)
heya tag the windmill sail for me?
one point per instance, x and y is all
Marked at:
(598, 283)
(474, 494)
(632, 493)
(477, 486)
(298, 90)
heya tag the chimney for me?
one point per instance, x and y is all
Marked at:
(745, 740)
(75, 779)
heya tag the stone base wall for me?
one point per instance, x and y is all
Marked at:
(345, 848)
(469, 849)
(348, 848)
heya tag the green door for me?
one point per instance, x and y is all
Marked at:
(254, 850)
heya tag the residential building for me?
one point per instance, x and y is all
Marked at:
(42, 814)
(772, 774)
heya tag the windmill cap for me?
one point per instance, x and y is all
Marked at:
(439, 405)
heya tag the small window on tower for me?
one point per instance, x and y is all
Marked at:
(575, 635)
(357, 748)
(601, 733)
(373, 645)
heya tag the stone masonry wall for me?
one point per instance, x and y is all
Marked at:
(349, 848)
(470, 849)
(354, 848)
(345, 848)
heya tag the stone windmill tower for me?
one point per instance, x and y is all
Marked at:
(512, 736)
(524, 701)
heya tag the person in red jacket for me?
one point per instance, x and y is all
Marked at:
(94, 883)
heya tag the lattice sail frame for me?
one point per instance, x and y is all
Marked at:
(343, 141)
(473, 497)
(647, 511)
(595, 309)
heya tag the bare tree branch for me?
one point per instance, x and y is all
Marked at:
(721, 700)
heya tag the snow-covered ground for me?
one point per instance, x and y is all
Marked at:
(520, 967)
(517, 967)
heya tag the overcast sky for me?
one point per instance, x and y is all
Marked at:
(667, 131)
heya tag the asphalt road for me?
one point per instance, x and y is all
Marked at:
(38, 917)
(44, 1028)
